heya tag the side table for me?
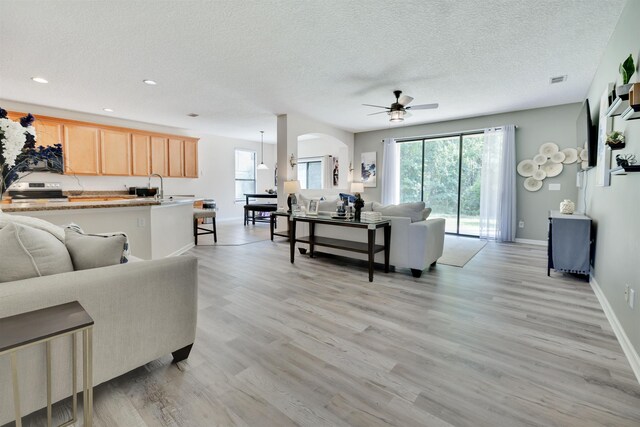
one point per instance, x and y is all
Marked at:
(273, 222)
(43, 326)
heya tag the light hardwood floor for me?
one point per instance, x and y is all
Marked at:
(496, 343)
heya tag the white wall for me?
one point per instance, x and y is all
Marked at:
(216, 161)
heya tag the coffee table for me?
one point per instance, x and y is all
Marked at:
(370, 248)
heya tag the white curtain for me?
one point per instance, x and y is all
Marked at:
(498, 185)
(390, 172)
(327, 172)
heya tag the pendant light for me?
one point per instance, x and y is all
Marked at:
(262, 166)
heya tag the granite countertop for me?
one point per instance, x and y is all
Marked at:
(121, 203)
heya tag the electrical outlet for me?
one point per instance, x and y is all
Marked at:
(626, 293)
(521, 224)
(632, 298)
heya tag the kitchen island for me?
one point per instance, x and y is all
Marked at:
(156, 229)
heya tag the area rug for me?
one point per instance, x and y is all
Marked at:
(459, 250)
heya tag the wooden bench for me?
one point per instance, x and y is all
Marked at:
(257, 207)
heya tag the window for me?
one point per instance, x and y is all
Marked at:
(245, 173)
(310, 173)
(445, 173)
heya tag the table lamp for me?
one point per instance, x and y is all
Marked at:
(356, 189)
(291, 188)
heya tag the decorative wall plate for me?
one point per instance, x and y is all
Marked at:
(570, 156)
(532, 184)
(584, 154)
(552, 169)
(526, 168)
(539, 159)
(558, 157)
(539, 175)
(548, 149)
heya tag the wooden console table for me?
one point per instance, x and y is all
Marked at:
(370, 248)
(43, 326)
(274, 220)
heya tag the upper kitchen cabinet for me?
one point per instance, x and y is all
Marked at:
(140, 154)
(48, 132)
(115, 152)
(160, 155)
(81, 149)
(191, 158)
(176, 157)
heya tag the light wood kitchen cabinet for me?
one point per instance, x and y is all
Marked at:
(48, 132)
(96, 149)
(176, 157)
(140, 154)
(81, 149)
(191, 158)
(115, 152)
(160, 155)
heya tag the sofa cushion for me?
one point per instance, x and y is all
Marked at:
(6, 219)
(27, 252)
(95, 250)
(408, 210)
(329, 204)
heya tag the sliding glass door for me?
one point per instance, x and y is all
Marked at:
(444, 172)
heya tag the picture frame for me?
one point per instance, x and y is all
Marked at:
(312, 209)
(605, 125)
(369, 168)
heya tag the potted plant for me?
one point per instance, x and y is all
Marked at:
(627, 69)
(615, 140)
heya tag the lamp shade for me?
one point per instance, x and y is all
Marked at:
(291, 187)
(396, 116)
(357, 187)
(263, 167)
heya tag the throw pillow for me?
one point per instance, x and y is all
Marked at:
(409, 210)
(425, 213)
(350, 197)
(95, 250)
(27, 252)
(6, 219)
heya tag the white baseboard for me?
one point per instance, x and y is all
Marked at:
(182, 250)
(627, 347)
(532, 242)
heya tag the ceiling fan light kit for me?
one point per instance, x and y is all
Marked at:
(398, 110)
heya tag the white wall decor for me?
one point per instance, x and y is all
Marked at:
(548, 163)
(368, 168)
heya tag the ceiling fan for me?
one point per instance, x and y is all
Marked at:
(399, 108)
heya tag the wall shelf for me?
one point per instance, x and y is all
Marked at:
(623, 170)
(618, 107)
(631, 113)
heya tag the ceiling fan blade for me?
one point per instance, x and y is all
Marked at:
(379, 112)
(424, 107)
(377, 106)
(405, 100)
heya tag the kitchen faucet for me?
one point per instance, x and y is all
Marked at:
(161, 185)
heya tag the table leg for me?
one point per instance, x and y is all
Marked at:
(292, 238)
(312, 235)
(87, 394)
(47, 346)
(16, 389)
(387, 246)
(272, 225)
(371, 242)
(74, 377)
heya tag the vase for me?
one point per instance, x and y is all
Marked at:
(567, 207)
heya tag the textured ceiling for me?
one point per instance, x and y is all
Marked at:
(240, 63)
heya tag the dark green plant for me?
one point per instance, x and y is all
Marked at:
(627, 68)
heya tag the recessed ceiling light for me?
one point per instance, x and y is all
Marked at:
(150, 82)
(108, 110)
(558, 79)
(193, 115)
(39, 80)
